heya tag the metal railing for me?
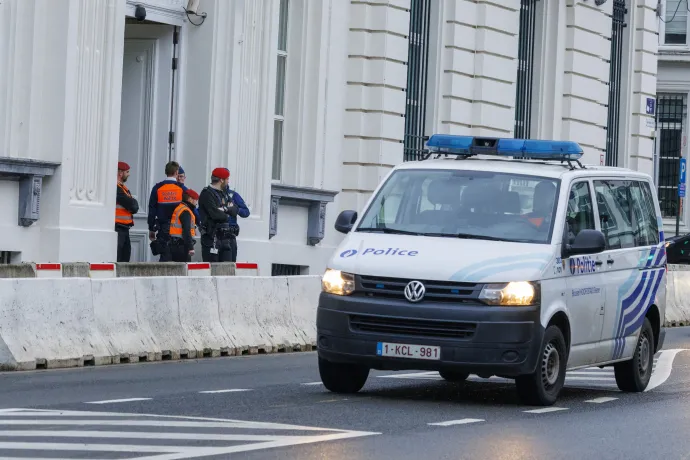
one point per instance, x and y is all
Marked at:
(417, 79)
(616, 68)
(670, 124)
(525, 71)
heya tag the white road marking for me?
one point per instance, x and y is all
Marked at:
(183, 444)
(544, 410)
(663, 368)
(463, 421)
(312, 384)
(113, 401)
(233, 390)
(601, 400)
(591, 379)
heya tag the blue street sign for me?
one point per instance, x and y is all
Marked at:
(682, 174)
(650, 106)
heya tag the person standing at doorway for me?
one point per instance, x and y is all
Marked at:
(236, 200)
(182, 228)
(165, 197)
(125, 208)
(214, 209)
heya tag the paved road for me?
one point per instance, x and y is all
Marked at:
(273, 407)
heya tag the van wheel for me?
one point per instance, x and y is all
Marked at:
(454, 376)
(342, 377)
(633, 376)
(543, 386)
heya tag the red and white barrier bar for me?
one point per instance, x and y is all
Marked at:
(198, 269)
(103, 270)
(246, 269)
(48, 270)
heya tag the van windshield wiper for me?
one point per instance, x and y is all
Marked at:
(469, 236)
(387, 230)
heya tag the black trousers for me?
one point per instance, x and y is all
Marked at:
(178, 253)
(165, 247)
(124, 244)
(227, 251)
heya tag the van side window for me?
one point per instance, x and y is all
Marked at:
(615, 213)
(580, 213)
(646, 227)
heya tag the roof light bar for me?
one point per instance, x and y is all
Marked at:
(517, 148)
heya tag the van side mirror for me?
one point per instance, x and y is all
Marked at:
(586, 242)
(345, 221)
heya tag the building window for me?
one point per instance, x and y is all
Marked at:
(675, 22)
(417, 79)
(281, 73)
(670, 123)
(525, 72)
(616, 68)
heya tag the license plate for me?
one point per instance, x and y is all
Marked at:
(399, 350)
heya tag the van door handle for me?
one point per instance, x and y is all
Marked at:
(598, 263)
(610, 261)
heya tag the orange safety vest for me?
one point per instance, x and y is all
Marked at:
(169, 194)
(122, 216)
(176, 223)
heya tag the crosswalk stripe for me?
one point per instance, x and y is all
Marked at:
(113, 401)
(545, 410)
(463, 421)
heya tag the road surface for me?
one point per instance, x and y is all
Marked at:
(274, 407)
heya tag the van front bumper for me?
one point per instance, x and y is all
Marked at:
(473, 338)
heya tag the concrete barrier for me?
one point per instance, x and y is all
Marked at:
(158, 311)
(303, 292)
(115, 311)
(677, 298)
(17, 271)
(100, 271)
(200, 318)
(49, 323)
(48, 270)
(198, 269)
(125, 270)
(238, 306)
(131, 269)
(274, 315)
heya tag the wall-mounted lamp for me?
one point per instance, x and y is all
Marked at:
(192, 8)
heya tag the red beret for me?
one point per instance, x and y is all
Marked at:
(221, 173)
(122, 166)
(192, 194)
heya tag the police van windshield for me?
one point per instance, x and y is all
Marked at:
(465, 204)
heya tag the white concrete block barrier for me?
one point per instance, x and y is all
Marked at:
(48, 323)
(677, 297)
(238, 305)
(303, 292)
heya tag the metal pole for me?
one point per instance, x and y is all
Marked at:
(677, 215)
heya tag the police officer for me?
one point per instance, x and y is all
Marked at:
(242, 211)
(126, 207)
(181, 177)
(182, 228)
(165, 196)
(214, 209)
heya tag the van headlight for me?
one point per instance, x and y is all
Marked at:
(337, 282)
(514, 294)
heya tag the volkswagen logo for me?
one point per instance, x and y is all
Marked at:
(414, 291)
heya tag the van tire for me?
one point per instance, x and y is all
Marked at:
(543, 387)
(342, 377)
(633, 376)
(454, 376)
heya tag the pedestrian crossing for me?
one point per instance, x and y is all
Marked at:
(589, 378)
(31, 433)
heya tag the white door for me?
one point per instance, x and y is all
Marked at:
(145, 118)
(634, 266)
(585, 293)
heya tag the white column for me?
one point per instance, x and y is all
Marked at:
(375, 110)
(586, 76)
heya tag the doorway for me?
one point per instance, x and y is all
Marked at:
(147, 120)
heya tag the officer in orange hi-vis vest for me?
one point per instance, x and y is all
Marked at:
(182, 228)
(165, 196)
(126, 207)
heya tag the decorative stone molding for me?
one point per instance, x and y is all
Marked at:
(165, 11)
(29, 173)
(312, 198)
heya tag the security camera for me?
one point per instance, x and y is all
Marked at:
(140, 13)
(192, 6)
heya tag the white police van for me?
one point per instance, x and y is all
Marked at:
(520, 263)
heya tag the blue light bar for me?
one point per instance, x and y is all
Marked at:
(531, 149)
